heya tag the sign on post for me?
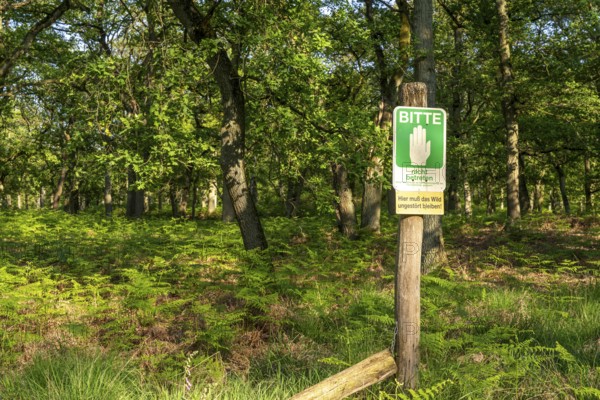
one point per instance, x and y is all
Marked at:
(419, 166)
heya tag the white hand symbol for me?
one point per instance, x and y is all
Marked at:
(419, 148)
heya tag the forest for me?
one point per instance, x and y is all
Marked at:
(194, 196)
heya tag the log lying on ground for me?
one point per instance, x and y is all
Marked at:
(351, 380)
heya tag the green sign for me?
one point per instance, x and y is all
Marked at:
(419, 149)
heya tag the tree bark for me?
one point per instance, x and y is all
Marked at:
(509, 111)
(211, 203)
(538, 196)
(344, 204)
(184, 195)
(468, 199)
(562, 182)
(587, 182)
(524, 198)
(173, 201)
(233, 127)
(433, 251)
(42, 197)
(108, 205)
(59, 186)
(135, 196)
(228, 213)
(292, 197)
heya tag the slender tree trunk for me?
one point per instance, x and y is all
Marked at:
(173, 201)
(433, 252)
(453, 196)
(538, 196)
(74, 200)
(587, 182)
(26, 200)
(135, 196)
(292, 197)
(212, 198)
(509, 110)
(108, 205)
(389, 85)
(42, 197)
(344, 204)
(468, 199)
(194, 197)
(457, 168)
(562, 181)
(524, 199)
(233, 127)
(490, 200)
(184, 197)
(59, 187)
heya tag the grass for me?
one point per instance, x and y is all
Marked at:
(170, 309)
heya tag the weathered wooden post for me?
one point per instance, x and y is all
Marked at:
(419, 181)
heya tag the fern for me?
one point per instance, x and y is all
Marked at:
(587, 393)
(429, 393)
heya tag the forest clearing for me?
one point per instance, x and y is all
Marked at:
(312, 199)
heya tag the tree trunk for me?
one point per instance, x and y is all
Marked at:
(212, 198)
(538, 196)
(184, 197)
(233, 126)
(108, 205)
(228, 213)
(433, 252)
(509, 110)
(458, 167)
(173, 201)
(59, 187)
(194, 197)
(490, 200)
(562, 181)
(292, 196)
(135, 196)
(587, 182)
(42, 197)
(468, 199)
(524, 199)
(453, 197)
(389, 84)
(74, 205)
(371, 200)
(344, 205)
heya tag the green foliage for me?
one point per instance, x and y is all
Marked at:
(429, 393)
(182, 299)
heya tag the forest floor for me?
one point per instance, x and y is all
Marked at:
(170, 309)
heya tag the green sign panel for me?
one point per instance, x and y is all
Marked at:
(419, 149)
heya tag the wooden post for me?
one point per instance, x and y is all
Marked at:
(353, 379)
(408, 273)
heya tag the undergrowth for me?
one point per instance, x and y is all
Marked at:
(172, 309)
